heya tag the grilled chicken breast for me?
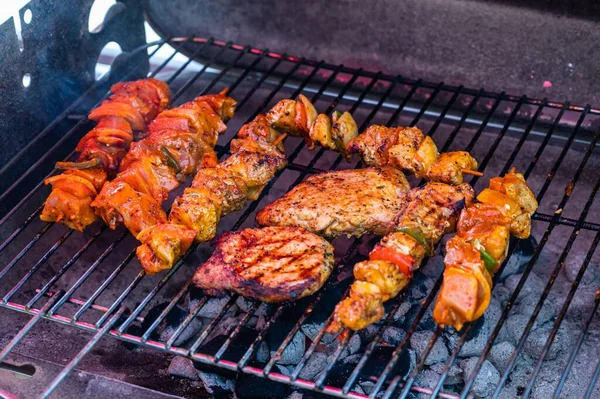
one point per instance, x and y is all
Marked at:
(272, 264)
(351, 202)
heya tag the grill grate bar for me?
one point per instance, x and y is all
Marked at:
(531, 263)
(557, 267)
(559, 319)
(37, 265)
(588, 393)
(469, 326)
(581, 338)
(32, 322)
(359, 94)
(86, 349)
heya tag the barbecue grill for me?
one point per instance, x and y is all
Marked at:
(79, 316)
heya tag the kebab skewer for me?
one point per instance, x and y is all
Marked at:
(480, 246)
(257, 154)
(123, 116)
(181, 140)
(431, 212)
(404, 148)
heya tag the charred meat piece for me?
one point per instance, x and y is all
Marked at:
(351, 202)
(272, 264)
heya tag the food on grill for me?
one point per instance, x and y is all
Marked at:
(432, 210)
(404, 148)
(181, 140)
(257, 154)
(352, 202)
(480, 246)
(409, 150)
(272, 264)
(125, 114)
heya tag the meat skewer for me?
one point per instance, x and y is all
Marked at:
(480, 246)
(404, 148)
(257, 154)
(181, 140)
(123, 116)
(431, 212)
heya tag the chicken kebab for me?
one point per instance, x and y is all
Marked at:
(181, 140)
(431, 212)
(404, 148)
(256, 155)
(477, 250)
(124, 115)
(480, 246)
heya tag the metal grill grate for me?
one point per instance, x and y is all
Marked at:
(92, 281)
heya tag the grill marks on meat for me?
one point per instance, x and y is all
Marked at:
(181, 140)
(272, 264)
(257, 154)
(351, 202)
(127, 112)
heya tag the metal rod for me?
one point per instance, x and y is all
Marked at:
(17, 338)
(86, 349)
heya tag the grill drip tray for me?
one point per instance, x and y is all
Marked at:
(92, 281)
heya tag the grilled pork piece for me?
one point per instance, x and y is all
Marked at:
(480, 246)
(432, 210)
(127, 112)
(351, 202)
(272, 264)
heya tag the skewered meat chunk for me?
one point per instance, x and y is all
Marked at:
(127, 112)
(411, 151)
(216, 191)
(255, 169)
(157, 164)
(430, 212)
(448, 167)
(433, 209)
(272, 264)
(351, 202)
(120, 203)
(364, 306)
(466, 290)
(163, 245)
(480, 246)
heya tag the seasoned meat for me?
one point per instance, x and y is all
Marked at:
(352, 202)
(128, 111)
(272, 264)
(433, 209)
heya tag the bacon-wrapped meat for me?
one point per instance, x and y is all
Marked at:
(181, 140)
(257, 154)
(480, 246)
(125, 114)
